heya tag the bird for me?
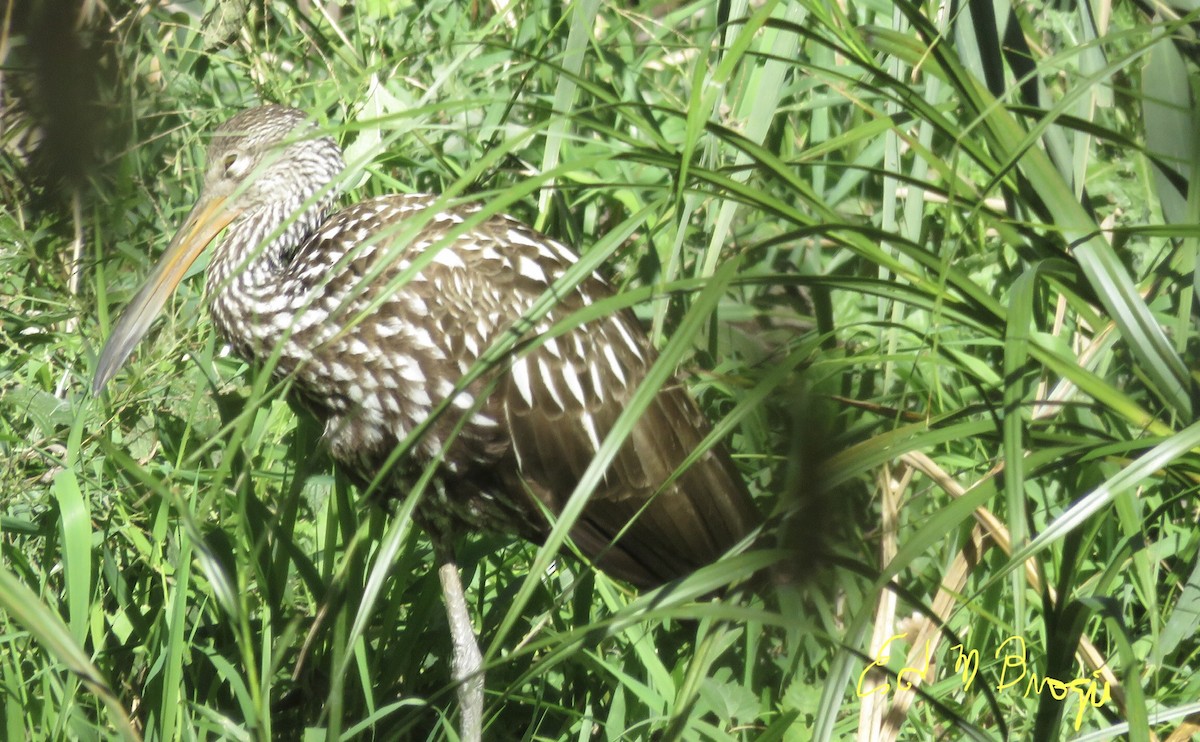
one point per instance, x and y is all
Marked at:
(377, 313)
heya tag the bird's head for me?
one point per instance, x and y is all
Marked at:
(264, 166)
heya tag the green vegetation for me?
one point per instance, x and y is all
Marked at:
(933, 275)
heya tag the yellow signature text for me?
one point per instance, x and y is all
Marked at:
(1013, 659)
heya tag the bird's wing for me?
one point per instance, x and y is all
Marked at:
(563, 399)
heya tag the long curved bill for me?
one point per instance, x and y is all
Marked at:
(208, 217)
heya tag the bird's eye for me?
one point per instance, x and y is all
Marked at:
(235, 165)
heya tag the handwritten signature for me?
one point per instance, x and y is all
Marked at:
(966, 663)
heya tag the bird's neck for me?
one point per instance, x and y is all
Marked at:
(249, 278)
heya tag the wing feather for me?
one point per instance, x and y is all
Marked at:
(633, 526)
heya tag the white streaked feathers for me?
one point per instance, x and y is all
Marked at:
(446, 256)
(589, 426)
(411, 372)
(520, 376)
(419, 397)
(613, 363)
(548, 382)
(572, 381)
(629, 341)
(530, 269)
(597, 376)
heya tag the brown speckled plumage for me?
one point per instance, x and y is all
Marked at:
(377, 321)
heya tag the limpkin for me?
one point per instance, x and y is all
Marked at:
(374, 355)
